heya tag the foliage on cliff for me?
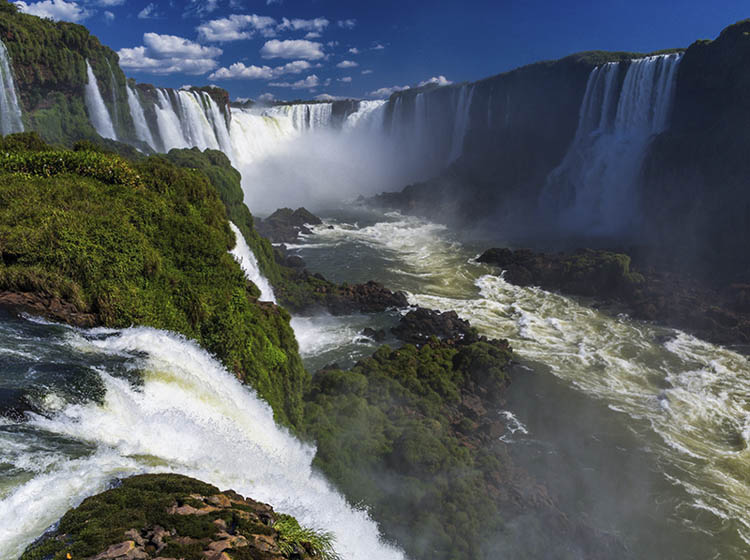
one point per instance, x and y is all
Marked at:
(49, 63)
(142, 243)
(405, 432)
(173, 516)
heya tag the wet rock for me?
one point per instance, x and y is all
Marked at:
(14, 403)
(50, 307)
(419, 325)
(378, 335)
(285, 225)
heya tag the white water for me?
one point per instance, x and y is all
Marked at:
(10, 110)
(245, 256)
(189, 416)
(98, 113)
(688, 399)
(142, 130)
(593, 189)
(461, 121)
(304, 116)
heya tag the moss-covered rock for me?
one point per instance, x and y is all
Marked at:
(173, 516)
(141, 243)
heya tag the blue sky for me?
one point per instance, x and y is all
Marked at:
(302, 49)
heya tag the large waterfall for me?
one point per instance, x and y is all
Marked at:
(10, 111)
(142, 130)
(98, 113)
(594, 188)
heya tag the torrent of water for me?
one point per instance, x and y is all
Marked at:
(142, 130)
(686, 401)
(245, 256)
(10, 110)
(594, 188)
(98, 113)
(164, 405)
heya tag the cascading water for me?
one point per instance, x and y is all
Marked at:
(98, 113)
(142, 130)
(115, 106)
(304, 116)
(594, 188)
(158, 404)
(245, 256)
(461, 122)
(10, 111)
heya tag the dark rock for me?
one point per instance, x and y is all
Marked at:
(14, 404)
(420, 325)
(285, 225)
(376, 335)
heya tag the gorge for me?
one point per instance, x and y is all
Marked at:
(148, 327)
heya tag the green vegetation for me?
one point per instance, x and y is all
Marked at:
(143, 503)
(392, 433)
(141, 244)
(49, 63)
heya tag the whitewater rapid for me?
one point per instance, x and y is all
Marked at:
(167, 407)
(691, 399)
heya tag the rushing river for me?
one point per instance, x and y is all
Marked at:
(642, 431)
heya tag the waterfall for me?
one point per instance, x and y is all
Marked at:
(304, 116)
(461, 121)
(594, 188)
(97, 109)
(244, 255)
(369, 116)
(10, 111)
(168, 123)
(142, 130)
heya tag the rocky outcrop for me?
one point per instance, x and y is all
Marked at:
(50, 307)
(171, 517)
(676, 299)
(420, 325)
(285, 225)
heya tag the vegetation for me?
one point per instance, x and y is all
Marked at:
(142, 503)
(141, 243)
(49, 63)
(393, 433)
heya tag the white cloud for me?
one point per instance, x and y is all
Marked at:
(199, 8)
(54, 9)
(365, 72)
(346, 64)
(387, 91)
(347, 23)
(313, 35)
(269, 2)
(169, 54)
(437, 80)
(316, 25)
(236, 27)
(345, 79)
(328, 97)
(266, 97)
(378, 47)
(239, 70)
(109, 17)
(332, 44)
(108, 3)
(354, 50)
(299, 48)
(311, 81)
(149, 12)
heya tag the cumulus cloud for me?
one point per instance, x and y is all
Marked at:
(236, 27)
(346, 79)
(108, 3)
(54, 9)
(169, 54)
(299, 48)
(328, 97)
(269, 2)
(199, 8)
(377, 47)
(316, 25)
(354, 50)
(437, 80)
(313, 35)
(365, 72)
(240, 70)
(266, 97)
(346, 64)
(109, 17)
(387, 91)
(347, 23)
(311, 81)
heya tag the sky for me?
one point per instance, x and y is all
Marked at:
(294, 49)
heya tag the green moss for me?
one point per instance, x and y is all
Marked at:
(388, 434)
(143, 244)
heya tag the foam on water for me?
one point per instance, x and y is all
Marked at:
(693, 396)
(245, 256)
(190, 416)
